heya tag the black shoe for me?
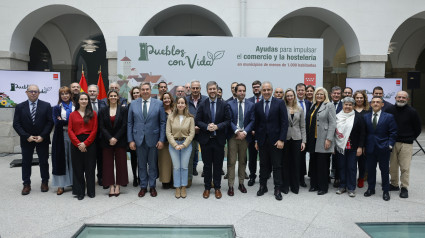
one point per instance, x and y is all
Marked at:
(100, 181)
(369, 193)
(105, 187)
(321, 192)
(404, 193)
(277, 194)
(284, 190)
(302, 183)
(135, 182)
(295, 191)
(394, 188)
(80, 197)
(222, 172)
(336, 183)
(262, 190)
(386, 196)
(91, 195)
(202, 174)
(251, 182)
(312, 189)
(195, 173)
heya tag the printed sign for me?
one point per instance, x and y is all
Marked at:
(390, 85)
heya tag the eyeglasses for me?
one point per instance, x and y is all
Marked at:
(33, 92)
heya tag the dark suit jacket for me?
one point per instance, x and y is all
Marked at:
(58, 145)
(222, 120)
(358, 133)
(339, 107)
(383, 136)
(118, 130)
(22, 122)
(253, 99)
(230, 99)
(275, 126)
(249, 118)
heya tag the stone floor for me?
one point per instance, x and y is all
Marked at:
(303, 215)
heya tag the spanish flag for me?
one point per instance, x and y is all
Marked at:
(101, 86)
(83, 82)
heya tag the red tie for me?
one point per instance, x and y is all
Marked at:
(258, 99)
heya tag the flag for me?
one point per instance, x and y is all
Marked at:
(83, 82)
(101, 86)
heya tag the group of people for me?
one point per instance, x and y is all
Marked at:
(339, 131)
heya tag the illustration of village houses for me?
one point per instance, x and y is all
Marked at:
(130, 78)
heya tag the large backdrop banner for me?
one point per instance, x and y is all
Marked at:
(179, 60)
(14, 84)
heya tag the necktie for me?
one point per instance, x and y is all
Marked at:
(94, 106)
(302, 105)
(266, 110)
(33, 110)
(375, 120)
(240, 116)
(258, 99)
(145, 109)
(212, 112)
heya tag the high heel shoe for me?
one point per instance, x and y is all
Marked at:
(117, 194)
(112, 189)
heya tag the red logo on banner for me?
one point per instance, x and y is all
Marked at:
(397, 82)
(310, 79)
(55, 76)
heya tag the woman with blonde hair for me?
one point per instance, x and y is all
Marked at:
(180, 132)
(295, 143)
(321, 124)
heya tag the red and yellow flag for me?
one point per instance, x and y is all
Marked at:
(83, 82)
(101, 86)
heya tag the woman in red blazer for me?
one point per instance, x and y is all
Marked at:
(82, 129)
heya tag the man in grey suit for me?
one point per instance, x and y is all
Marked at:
(146, 134)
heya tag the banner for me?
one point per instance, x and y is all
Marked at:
(179, 60)
(390, 85)
(14, 84)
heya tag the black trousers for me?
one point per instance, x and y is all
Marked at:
(381, 157)
(270, 157)
(27, 156)
(83, 168)
(319, 167)
(303, 165)
(213, 156)
(291, 165)
(334, 166)
(133, 156)
(252, 162)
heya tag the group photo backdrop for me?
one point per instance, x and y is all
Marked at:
(179, 60)
(15, 83)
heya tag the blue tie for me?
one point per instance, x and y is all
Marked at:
(302, 105)
(266, 110)
(212, 112)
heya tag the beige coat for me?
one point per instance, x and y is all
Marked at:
(326, 125)
(175, 129)
(296, 127)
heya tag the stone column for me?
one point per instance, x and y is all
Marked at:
(13, 61)
(66, 73)
(111, 56)
(366, 66)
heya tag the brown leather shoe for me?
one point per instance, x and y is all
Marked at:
(218, 194)
(242, 188)
(142, 192)
(44, 187)
(26, 190)
(153, 192)
(60, 191)
(183, 192)
(230, 192)
(206, 194)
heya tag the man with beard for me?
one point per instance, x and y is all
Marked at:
(75, 90)
(408, 129)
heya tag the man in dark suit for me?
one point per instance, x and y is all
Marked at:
(381, 133)
(146, 134)
(271, 127)
(232, 90)
(162, 88)
(75, 89)
(336, 100)
(305, 105)
(378, 91)
(212, 117)
(252, 152)
(93, 92)
(33, 122)
(115, 86)
(241, 126)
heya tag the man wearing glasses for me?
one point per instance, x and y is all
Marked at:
(33, 122)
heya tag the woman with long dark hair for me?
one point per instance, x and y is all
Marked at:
(135, 94)
(165, 165)
(61, 144)
(113, 129)
(82, 129)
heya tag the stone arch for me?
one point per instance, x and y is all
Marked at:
(179, 20)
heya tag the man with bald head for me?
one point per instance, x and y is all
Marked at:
(408, 129)
(33, 122)
(180, 91)
(278, 93)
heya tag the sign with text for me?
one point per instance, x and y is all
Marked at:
(179, 60)
(390, 85)
(14, 84)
